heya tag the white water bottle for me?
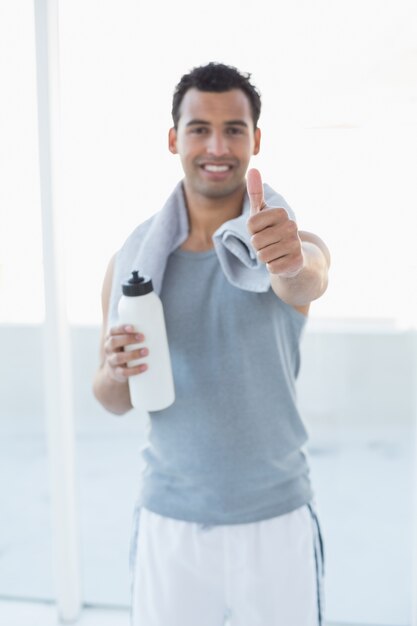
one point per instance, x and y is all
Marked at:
(140, 307)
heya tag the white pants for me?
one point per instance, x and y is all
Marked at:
(266, 573)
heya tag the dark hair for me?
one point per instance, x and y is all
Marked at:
(219, 78)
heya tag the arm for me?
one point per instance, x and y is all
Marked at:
(110, 385)
(311, 280)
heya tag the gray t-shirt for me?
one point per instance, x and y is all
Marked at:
(229, 450)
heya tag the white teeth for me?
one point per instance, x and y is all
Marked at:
(216, 168)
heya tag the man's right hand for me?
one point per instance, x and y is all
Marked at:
(119, 353)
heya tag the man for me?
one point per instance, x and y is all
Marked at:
(227, 528)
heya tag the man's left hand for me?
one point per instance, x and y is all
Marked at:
(274, 235)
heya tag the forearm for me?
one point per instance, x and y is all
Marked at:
(311, 282)
(113, 395)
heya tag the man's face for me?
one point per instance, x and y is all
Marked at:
(215, 140)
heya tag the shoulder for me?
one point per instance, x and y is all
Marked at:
(120, 266)
(126, 255)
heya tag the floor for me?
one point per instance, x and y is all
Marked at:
(364, 489)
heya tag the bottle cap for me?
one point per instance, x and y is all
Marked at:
(137, 285)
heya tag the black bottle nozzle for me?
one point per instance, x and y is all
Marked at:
(137, 285)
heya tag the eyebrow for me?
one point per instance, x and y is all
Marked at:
(236, 123)
(205, 123)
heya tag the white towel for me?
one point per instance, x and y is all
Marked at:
(148, 247)
(169, 229)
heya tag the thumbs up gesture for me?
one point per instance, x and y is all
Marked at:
(274, 236)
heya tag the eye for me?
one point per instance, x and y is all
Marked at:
(199, 130)
(234, 130)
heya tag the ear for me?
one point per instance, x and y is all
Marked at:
(172, 140)
(257, 145)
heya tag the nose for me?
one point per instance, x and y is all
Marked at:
(217, 144)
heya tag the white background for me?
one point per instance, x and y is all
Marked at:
(338, 81)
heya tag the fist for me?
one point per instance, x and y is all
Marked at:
(122, 353)
(274, 235)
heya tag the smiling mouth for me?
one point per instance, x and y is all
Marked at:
(211, 167)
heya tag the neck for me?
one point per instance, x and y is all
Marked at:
(206, 215)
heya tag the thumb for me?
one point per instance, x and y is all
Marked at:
(255, 191)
